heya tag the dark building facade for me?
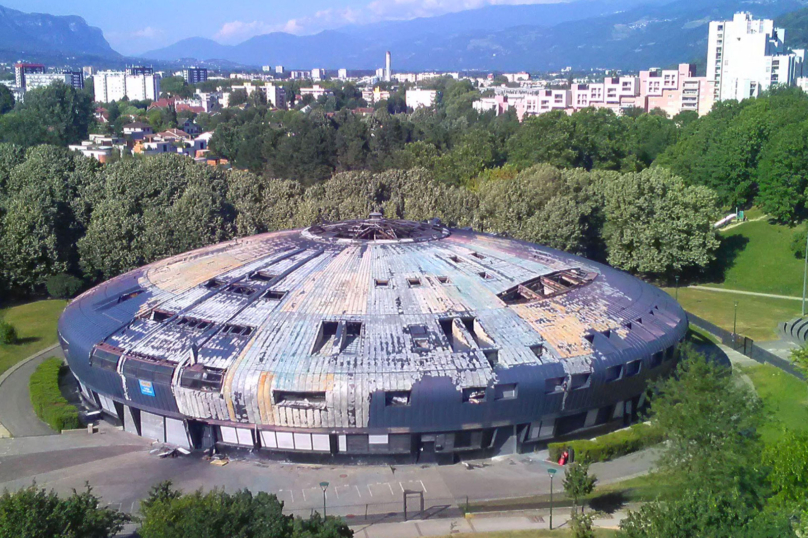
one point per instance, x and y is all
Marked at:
(371, 338)
(194, 75)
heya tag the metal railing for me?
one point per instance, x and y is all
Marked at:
(745, 346)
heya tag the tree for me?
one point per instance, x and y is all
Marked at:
(788, 474)
(655, 224)
(711, 425)
(55, 114)
(36, 513)
(782, 173)
(6, 99)
(8, 334)
(578, 483)
(706, 515)
(581, 526)
(63, 286)
(237, 97)
(799, 356)
(798, 243)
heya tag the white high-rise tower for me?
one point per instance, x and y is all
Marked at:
(388, 66)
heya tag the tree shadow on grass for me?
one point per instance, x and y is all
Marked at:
(608, 503)
(27, 340)
(725, 257)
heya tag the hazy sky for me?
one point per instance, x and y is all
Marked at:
(141, 25)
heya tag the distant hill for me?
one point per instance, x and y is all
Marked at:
(30, 35)
(796, 27)
(624, 34)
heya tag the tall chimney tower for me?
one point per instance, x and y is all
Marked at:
(388, 65)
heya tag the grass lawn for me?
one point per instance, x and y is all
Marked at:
(763, 261)
(36, 328)
(757, 316)
(784, 396)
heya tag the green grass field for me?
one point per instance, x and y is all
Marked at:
(784, 396)
(757, 316)
(760, 259)
(36, 328)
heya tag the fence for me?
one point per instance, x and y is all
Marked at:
(745, 345)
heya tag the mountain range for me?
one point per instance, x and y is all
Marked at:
(36, 35)
(624, 34)
(584, 34)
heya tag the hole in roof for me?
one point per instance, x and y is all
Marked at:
(478, 255)
(443, 279)
(381, 282)
(214, 283)
(377, 229)
(414, 282)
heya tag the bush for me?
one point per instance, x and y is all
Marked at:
(8, 334)
(63, 286)
(798, 244)
(47, 400)
(610, 446)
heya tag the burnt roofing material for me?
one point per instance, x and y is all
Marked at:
(369, 324)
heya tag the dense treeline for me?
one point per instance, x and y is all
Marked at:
(61, 213)
(755, 151)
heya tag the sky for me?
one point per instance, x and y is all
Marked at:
(143, 25)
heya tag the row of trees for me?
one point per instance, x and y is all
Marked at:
(166, 513)
(722, 479)
(64, 213)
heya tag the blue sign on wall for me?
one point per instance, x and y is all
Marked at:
(146, 388)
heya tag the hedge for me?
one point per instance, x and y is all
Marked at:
(47, 400)
(611, 445)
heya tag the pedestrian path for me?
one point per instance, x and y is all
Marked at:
(752, 293)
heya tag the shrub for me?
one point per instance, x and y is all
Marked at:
(8, 334)
(798, 244)
(47, 400)
(610, 446)
(63, 286)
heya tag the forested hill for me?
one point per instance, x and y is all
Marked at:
(796, 27)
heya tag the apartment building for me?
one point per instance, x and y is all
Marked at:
(676, 90)
(195, 75)
(746, 56)
(40, 80)
(21, 70)
(136, 85)
(420, 98)
(316, 91)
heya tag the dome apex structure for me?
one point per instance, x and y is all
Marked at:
(371, 338)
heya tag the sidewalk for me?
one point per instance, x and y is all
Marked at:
(531, 520)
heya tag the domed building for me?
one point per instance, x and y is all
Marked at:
(371, 338)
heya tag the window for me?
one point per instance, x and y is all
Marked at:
(237, 330)
(106, 357)
(420, 337)
(656, 359)
(381, 283)
(613, 373)
(492, 356)
(633, 368)
(398, 398)
(202, 378)
(554, 384)
(455, 259)
(537, 350)
(443, 279)
(130, 295)
(262, 276)
(326, 335)
(414, 282)
(194, 324)
(505, 392)
(474, 395)
(240, 289)
(478, 255)
(299, 400)
(160, 315)
(485, 276)
(670, 353)
(214, 283)
(579, 381)
(272, 295)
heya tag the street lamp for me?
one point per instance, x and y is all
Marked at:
(552, 473)
(735, 320)
(677, 288)
(324, 486)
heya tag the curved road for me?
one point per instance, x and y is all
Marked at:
(16, 413)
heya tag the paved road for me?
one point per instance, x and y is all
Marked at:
(16, 413)
(754, 294)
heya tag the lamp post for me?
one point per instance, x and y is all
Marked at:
(552, 473)
(324, 486)
(735, 320)
(677, 288)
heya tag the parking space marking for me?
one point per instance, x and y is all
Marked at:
(357, 490)
(423, 486)
(391, 488)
